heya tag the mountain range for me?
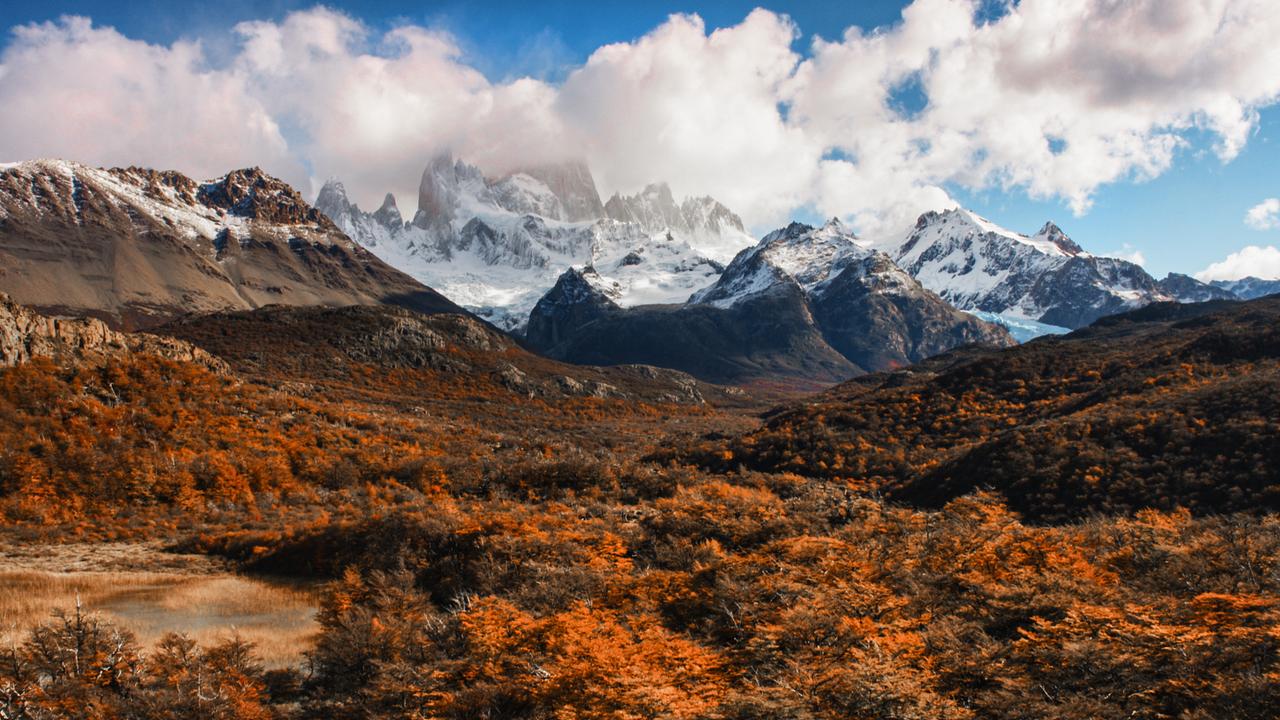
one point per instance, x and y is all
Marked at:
(136, 247)
(805, 303)
(496, 245)
(635, 279)
(1171, 405)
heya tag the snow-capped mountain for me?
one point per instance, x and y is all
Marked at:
(1186, 289)
(136, 247)
(804, 301)
(1248, 288)
(797, 253)
(710, 227)
(496, 245)
(980, 266)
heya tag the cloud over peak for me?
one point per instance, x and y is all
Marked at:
(1054, 97)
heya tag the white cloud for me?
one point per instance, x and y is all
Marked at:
(82, 93)
(1130, 253)
(1056, 97)
(1251, 261)
(1265, 215)
(699, 110)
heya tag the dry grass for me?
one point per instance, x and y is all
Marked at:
(278, 618)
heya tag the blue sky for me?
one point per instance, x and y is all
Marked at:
(502, 38)
(1189, 216)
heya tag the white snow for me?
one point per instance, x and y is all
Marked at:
(975, 264)
(809, 257)
(1020, 328)
(502, 272)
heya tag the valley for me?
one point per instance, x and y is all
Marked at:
(814, 488)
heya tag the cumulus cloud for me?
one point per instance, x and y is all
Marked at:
(1265, 215)
(1054, 97)
(699, 110)
(1251, 261)
(74, 91)
(1057, 97)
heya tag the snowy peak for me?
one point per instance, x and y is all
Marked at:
(654, 208)
(388, 214)
(706, 214)
(1186, 289)
(332, 200)
(979, 266)
(797, 254)
(572, 184)
(497, 245)
(444, 187)
(1053, 234)
(1248, 288)
(370, 229)
(524, 194)
(810, 254)
(959, 223)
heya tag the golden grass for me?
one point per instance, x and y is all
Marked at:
(278, 618)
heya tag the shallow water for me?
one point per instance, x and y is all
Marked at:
(206, 604)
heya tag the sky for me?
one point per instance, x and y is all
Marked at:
(1147, 129)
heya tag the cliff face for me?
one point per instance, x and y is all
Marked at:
(26, 334)
(136, 247)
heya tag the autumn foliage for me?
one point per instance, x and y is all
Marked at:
(992, 536)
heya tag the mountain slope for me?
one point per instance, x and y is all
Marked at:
(367, 350)
(772, 337)
(805, 303)
(1186, 289)
(1248, 288)
(496, 245)
(1171, 405)
(977, 265)
(136, 247)
(26, 334)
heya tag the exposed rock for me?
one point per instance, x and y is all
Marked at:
(1249, 288)
(25, 334)
(977, 265)
(806, 304)
(1186, 289)
(137, 247)
(567, 306)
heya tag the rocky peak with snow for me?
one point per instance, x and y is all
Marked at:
(136, 246)
(387, 214)
(1186, 289)
(1054, 235)
(654, 208)
(1046, 277)
(798, 253)
(371, 228)
(571, 183)
(251, 193)
(1248, 288)
(496, 245)
(445, 184)
(572, 302)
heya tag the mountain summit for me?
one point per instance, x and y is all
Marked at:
(1046, 277)
(806, 304)
(497, 244)
(135, 246)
